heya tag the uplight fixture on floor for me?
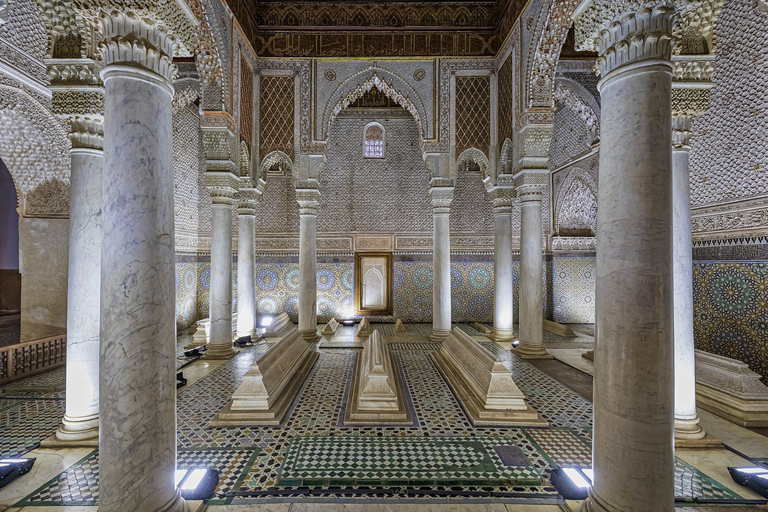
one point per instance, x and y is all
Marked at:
(197, 483)
(348, 322)
(10, 469)
(266, 321)
(754, 477)
(572, 483)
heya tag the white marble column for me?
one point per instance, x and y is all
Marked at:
(441, 196)
(308, 199)
(503, 268)
(531, 321)
(137, 413)
(687, 425)
(633, 452)
(223, 186)
(246, 263)
(81, 418)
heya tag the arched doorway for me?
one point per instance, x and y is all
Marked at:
(10, 278)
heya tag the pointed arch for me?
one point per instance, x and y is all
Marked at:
(245, 160)
(576, 97)
(35, 148)
(273, 158)
(393, 86)
(506, 157)
(477, 157)
(545, 52)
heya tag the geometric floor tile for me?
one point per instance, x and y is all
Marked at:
(79, 485)
(692, 483)
(562, 446)
(441, 450)
(362, 460)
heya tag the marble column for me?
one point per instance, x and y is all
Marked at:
(222, 186)
(246, 263)
(687, 425)
(503, 269)
(81, 418)
(137, 396)
(531, 321)
(441, 197)
(308, 199)
(633, 452)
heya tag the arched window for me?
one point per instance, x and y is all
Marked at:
(373, 141)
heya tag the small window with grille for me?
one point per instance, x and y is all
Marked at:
(373, 141)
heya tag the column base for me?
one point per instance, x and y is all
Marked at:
(310, 335)
(75, 432)
(219, 352)
(690, 434)
(177, 504)
(531, 351)
(439, 334)
(502, 335)
(595, 504)
(688, 428)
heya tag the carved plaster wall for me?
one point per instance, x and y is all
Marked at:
(729, 163)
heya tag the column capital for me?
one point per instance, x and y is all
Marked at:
(681, 133)
(503, 199)
(625, 32)
(307, 196)
(441, 197)
(133, 40)
(247, 201)
(219, 143)
(87, 132)
(530, 193)
(223, 187)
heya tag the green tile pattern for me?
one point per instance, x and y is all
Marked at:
(353, 460)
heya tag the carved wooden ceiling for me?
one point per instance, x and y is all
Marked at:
(322, 28)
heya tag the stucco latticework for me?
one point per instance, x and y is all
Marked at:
(276, 126)
(473, 113)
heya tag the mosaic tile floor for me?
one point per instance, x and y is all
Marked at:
(312, 456)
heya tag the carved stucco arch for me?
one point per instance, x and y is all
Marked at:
(477, 157)
(577, 174)
(394, 87)
(35, 148)
(577, 98)
(540, 80)
(276, 157)
(506, 157)
(245, 160)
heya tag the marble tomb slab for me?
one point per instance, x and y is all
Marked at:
(483, 385)
(279, 323)
(271, 384)
(377, 395)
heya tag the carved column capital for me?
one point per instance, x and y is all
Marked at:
(307, 196)
(534, 139)
(503, 198)
(219, 143)
(441, 195)
(87, 132)
(681, 133)
(531, 193)
(130, 39)
(247, 201)
(223, 187)
(625, 32)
